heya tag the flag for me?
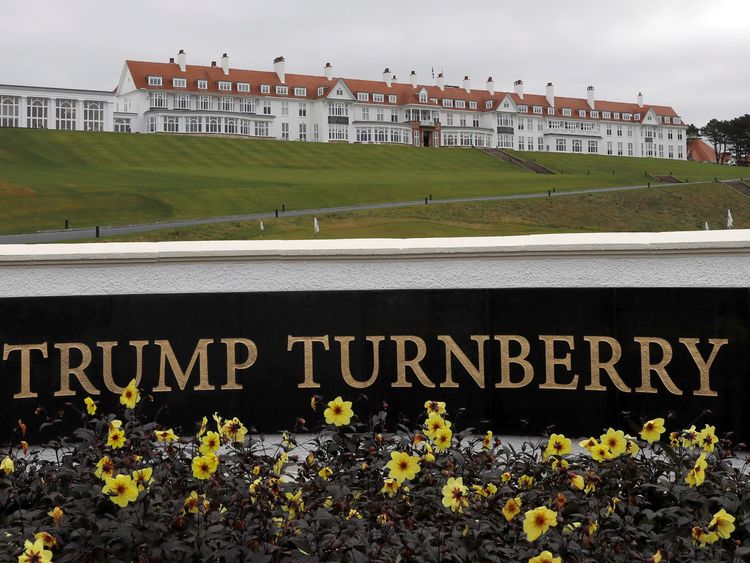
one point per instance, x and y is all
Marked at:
(316, 226)
(705, 227)
(433, 73)
(730, 221)
(261, 226)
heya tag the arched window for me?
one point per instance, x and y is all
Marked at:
(93, 116)
(36, 113)
(9, 111)
(65, 114)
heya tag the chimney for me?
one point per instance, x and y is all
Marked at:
(279, 67)
(182, 60)
(518, 87)
(213, 63)
(590, 94)
(387, 77)
(640, 99)
(225, 63)
(491, 86)
(467, 84)
(328, 72)
(171, 60)
(413, 79)
(441, 81)
(551, 94)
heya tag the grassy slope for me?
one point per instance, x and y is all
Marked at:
(657, 209)
(108, 178)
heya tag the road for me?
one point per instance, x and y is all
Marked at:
(113, 231)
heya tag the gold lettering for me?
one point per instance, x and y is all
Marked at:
(307, 343)
(704, 366)
(506, 360)
(597, 365)
(346, 372)
(232, 365)
(551, 361)
(452, 349)
(25, 352)
(109, 381)
(66, 370)
(659, 368)
(200, 356)
(402, 363)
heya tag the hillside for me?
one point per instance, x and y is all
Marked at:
(113, 179)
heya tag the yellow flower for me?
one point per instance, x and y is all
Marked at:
(116, 438)
(287, 441)
(600, 452)
(487, 440)
(707, 438)
(428, 456)
(487, 491)
(142, 477)
(652, 430)
(577, 482)
(722, 523)
(35, 552)
(234, 430)
(279, 465)
(339, 412)
(210, 443)
(632, 448)
(195, 503)
(7, 465)
(47, 539)
(505, 477)
(202, 429)
(612, 505)
(295, 505)
(590, 486)
(90, 405)
(588, 443)
(166, 436)
(353, 513)
(512, 508)
(697, 474)
(558, 464)
(592, 528)
(121, 490)
(314, 403)
(537, 521)
(402, 466)
(328, 503)
(704, 538)
(130, 395)
(204, 466)
(558, 445)
(690, 438)
(434, 423)
(325, 473)
(443, 438)
(615, 441)
(454, 495)
(105, 468)
(544, 557)
(435, 406)
(656, 557)
(525, 482)
(57, 515)
(390, 487)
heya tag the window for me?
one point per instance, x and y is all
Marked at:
(630, 130)
(475, 120)
(247, 105)
(122, 125)
(93, 116)
(595, 114)
(566, 112)
(577, 145)
(619, 148)
(365, 114)
(213, 125)
(300, 91)
(204, 103)
(338, 132)
(449, 118)
(282, 90)
(245, 127)
(261, 129)
(9, 111)
(561, 145)
(65, 114)
(581, 113)
(447, 103)
(679, 152)
(521, 143)
(593, 147)
(676, 121)
(266, 107)
(619, 130)
(538, 110)
(606, 115)
(179, 83)
(265, 89)
(667, 119)
(462, 119)
(158, 100)
(226, 104)
(394, 116)
(316, 132)
(154, 80)
(171, 125)
(616, 116)
(423, 97)
(630, 149)
(609, 129)
(203, 85)
(363, 96)
(225, 86)
(285, 131)
(488, 104)
(321, 90)
(670, 151)
(303, 131)
(391, 99)
(380, 115)
(669, 134)
(338, 109)
(637, 117)
(626, 116)
(243, 87)
(504, 120)
(472, 105)
(182, 101)
(152, 124)
(550, 111)
(339, 91)
(679, 135)
(284, 108)
(521, 124)
(378, 97)
(194, 125)
(302, 109)
(460, 104)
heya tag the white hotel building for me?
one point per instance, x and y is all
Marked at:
(178, 98)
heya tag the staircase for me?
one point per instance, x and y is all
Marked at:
(741, 187)
(507, 157)
(668, 179)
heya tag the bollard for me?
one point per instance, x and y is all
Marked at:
(549, 193)
(588, 172)
(613, 172)
(425, 201)
(716, 179)
(276, 211)
(649, 184)
(66, 224)
(283, 206)
(553, 190)
(97, 231)
(430, 197)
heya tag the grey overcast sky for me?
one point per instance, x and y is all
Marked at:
(691, 54)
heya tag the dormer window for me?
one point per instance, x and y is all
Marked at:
(265, 89)
(363, 97)
(581, 113)
(224, 85)
(637, 117)
(447, 103)
(616, 115)
(606, 115)
(550, 111)
(282, 90)
(243, 87)
(666, 119)
(423, 97)
(460, 104)
(378, 97)
(595, 114)
(179, 83)
(203, 85)
(321, 90)
(566, 112)
(676, 120)
(154, 80)
(488, 104)
(538, 110)
(472, 105)
(626, 116)
(391, 98)
(339, 91)
(523, 109)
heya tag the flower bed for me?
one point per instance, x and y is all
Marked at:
(380, 489)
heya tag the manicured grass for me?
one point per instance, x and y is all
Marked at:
(114, 179)
(673, 208)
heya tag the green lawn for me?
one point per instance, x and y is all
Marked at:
(114, 179)
(673, 208)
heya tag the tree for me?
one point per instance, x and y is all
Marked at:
(692, 132)
(716, 132)
(738, 137)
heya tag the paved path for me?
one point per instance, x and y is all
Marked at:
(104, 231)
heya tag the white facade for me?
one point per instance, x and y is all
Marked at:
(176, 98)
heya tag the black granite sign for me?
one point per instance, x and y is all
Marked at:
(517, 360)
